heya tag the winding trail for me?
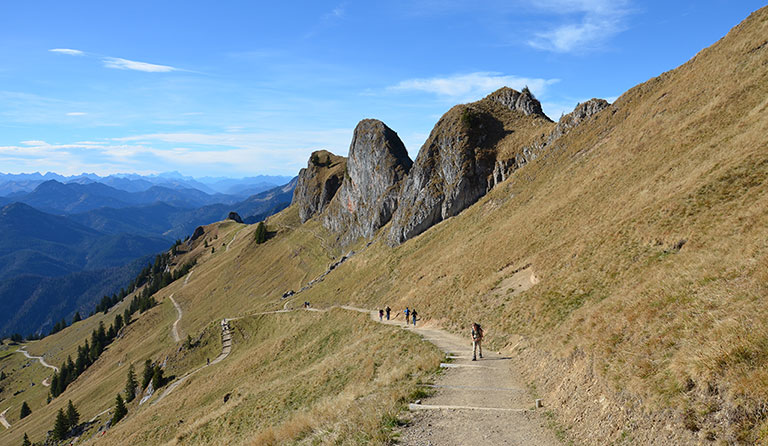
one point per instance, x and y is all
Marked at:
(189, 274)
(175, 328)
(39, 358)
(3, 421)
(483, 402)
(234, 237)
(226, 348)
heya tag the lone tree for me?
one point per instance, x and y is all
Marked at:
(260, 234)
(120, 410)
(73, 417)
(76, 317)
(61, 426)
(147, 375)
(130, 385)
(158, 380)
(25, 410)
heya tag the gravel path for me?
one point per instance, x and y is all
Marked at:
(175, 328)
(3, 421)
(475, 402)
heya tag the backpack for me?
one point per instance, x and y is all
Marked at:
(477, 334)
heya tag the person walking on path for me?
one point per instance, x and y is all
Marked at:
(477, 341)
(381, 315)
(387, 310)
(413, 316)
(407, 313)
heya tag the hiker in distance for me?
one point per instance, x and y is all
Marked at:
(413, 316)
(407, 313)
(387, 310)
(381, 315)
(477, 340)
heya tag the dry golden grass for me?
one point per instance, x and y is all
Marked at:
(329, 376)
(599, 217)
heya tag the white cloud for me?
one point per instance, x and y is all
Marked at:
(68, 51)
(338, 12)
(588, 24)
(125, 64)
(76, 114)
(472, 85)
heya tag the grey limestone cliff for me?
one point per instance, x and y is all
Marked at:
(318, 183)
(377, 164)
(471, 149)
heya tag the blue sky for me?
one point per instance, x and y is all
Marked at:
(238, 88)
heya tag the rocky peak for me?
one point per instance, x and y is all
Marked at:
(377, 164)
(522, 101)
(451, 171)
(318, 183)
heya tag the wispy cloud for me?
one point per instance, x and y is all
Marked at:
(119, 63)
(125, 64)
(471, 85)
(68, 51)
(76, 114)
(587, 24)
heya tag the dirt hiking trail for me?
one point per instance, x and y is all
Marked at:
(175, 327)
(475, 402)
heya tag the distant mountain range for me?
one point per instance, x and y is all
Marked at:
(240, 187)
(67, 241)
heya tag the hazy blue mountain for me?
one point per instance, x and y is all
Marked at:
(68, 244)
(67, 198)
(175, 222)
(49, 263)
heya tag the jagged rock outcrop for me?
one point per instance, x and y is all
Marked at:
(377, 164)
(318, 183)
(199, 232)
(522, 101)
(473, 148)
(583, 111)
(234, 216)
(452, 168)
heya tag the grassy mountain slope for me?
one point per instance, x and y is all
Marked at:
(646, 229)
(625, 268)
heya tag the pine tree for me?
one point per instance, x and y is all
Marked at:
(73, 417)
(25, 410)
(127, 316)
(77, 318)
(61, 426)
(157, 378)
(260, 234)
(130, 385)
(26, 441)
(118, 323)
(146, 377)
(120, 410)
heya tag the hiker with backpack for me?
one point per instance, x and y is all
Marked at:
(413, 316)
(477, 341)
(381, 315)
(407, 313)
(387, 310)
